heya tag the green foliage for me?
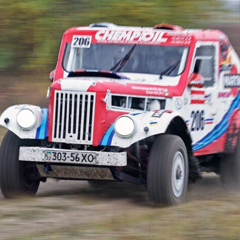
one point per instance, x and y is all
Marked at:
(31, 31)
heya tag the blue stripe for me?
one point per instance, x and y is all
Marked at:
(107, 139)
(219, 130)
(111, 136)
(42, 131)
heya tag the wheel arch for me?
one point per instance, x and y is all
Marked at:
(178, 127)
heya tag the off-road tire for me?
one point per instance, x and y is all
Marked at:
(16, 177)
(167, 174)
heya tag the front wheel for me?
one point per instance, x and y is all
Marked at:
(167, 174)
(17, 178)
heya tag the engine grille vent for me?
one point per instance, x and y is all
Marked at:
(73, 119)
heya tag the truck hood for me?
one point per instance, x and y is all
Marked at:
(153, 86)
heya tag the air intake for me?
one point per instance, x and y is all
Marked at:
(73, 117)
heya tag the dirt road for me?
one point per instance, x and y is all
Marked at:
(74, 210)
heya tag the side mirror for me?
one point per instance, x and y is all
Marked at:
(52, 75)
(196, 80)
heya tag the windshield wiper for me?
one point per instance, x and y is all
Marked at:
(121, 63)
(169, 69)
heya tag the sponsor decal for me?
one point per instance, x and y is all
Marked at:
(152, 90)
(181, 39)
(178, 103)
(231, 80)
(226, 68)
(130, 36)
(225, 53)
(197, 97)
(224, 94)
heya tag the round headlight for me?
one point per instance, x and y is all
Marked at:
(26, 119)
(124, 126)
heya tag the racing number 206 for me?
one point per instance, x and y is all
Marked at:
(198, 120)
(81, 41)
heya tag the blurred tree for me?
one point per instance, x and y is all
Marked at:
(18, 30)
(149, 13)
(31, 31)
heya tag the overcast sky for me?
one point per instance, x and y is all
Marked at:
(233, 4)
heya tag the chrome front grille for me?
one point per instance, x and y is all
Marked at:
(73, 119)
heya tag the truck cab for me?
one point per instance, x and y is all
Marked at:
(154, 106)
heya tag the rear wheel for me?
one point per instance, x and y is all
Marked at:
(167, 175)
(17, 178)
(230, 169)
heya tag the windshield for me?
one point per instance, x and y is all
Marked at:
(126, 58)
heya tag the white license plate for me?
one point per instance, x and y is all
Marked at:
(70, 157)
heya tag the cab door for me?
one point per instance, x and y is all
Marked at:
(203, 99)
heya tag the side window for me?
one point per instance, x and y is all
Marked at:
(204, 64)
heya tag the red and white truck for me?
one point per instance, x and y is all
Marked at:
(154, 106)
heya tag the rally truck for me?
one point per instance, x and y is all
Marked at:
(155, 106)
